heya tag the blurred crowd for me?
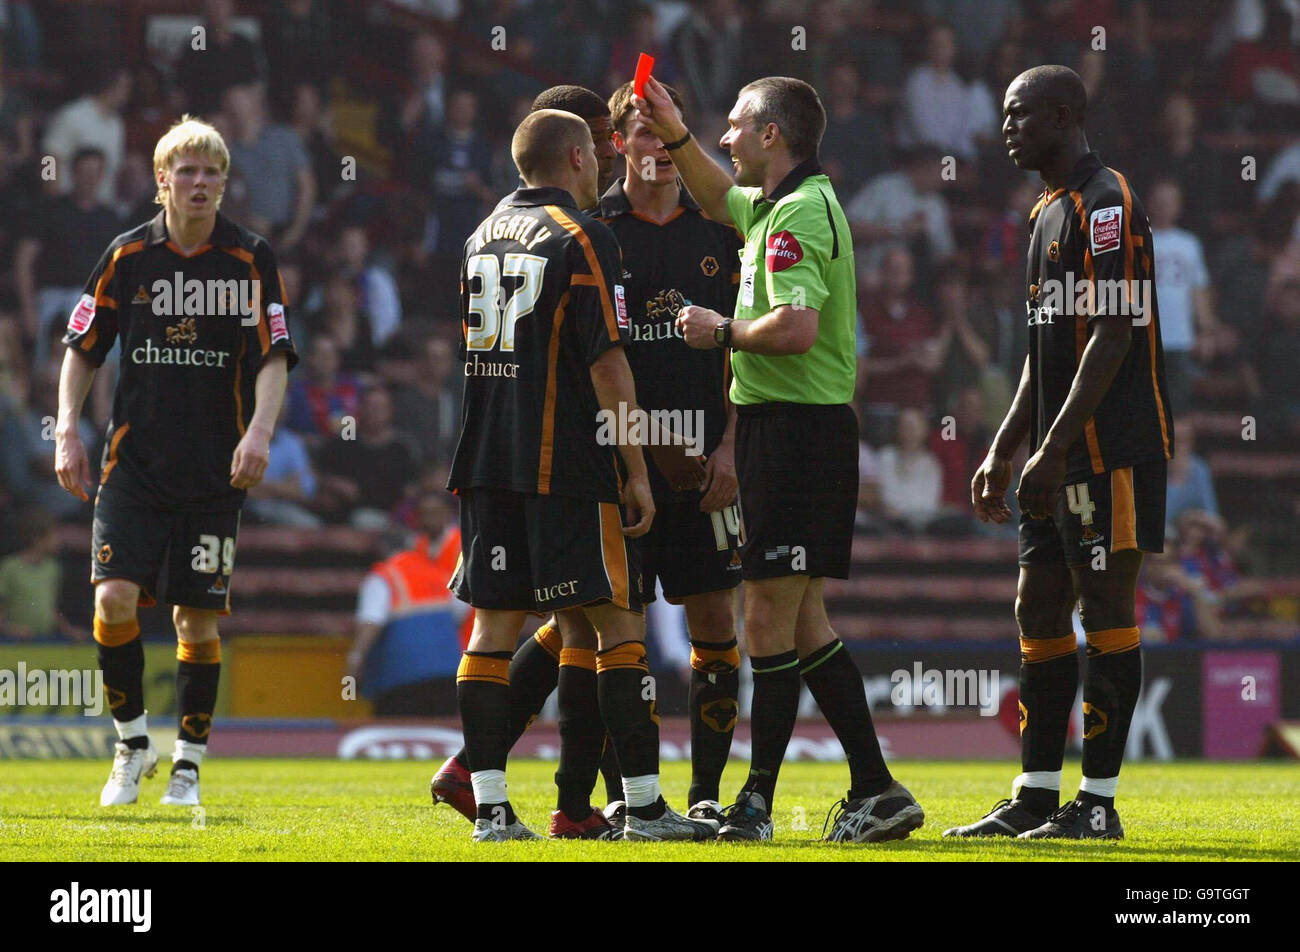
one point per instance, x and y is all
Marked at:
(368, 139)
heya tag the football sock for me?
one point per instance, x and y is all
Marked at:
(582, 733)
(836, 685)
(1110, 693)
(627, 707)
(483, 694)
(1049, 678)
(198, 670)
(610, 772)
(187, 756)
(773, 710)
(534, 674)
(711, 701)
(121, 659)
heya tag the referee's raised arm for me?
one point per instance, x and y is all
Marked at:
(705, 179)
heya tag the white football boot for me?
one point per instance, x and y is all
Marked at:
(491, 831)
(182, 788)
(129, 765)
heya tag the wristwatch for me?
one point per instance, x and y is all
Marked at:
(722, 333)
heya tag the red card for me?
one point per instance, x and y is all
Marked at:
(644, 63)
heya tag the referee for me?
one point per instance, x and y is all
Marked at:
(794, 368)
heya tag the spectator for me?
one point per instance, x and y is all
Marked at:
(1170, 605)
(321, 398)
(410, 631)
(911, 479)
(959, 444)
(904, 205)
(92, 122)
(414, 126)
(855, 147)
(376, 288)
(68, 234)
(1245, 265)
(902, 349)
(31, 581)
(976, 26)
(26, 437)
(937, 108)
(1183, 290)
(1276, 357)
(17, 123)
(342, 319)
(1190, 486)
(273, 165)
(967, 351)
(1180, 153)
(461, 168)
(870, 516)
(225, 59)
(302, 35)
(427, 406)
(361, 475)
(710, 45)
(307, 118)
(284, 495)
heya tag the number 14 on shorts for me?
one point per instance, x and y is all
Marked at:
(213, 553)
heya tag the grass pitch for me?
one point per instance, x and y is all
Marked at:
(359, 810)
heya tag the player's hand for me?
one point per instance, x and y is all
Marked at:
(248, 465)
(988, 490)
(1040, 482)
(720, 484)
(71, 464)
(658, 113)
(682, 471)
(697, 324)
(640, 504)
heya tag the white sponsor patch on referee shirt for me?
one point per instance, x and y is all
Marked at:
(1103, 229)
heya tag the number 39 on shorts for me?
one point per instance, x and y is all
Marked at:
(213, 553)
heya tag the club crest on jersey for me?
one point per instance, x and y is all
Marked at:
(1103, 229)
(141, 296)
(783, 251)
(279, 327)
(709, 265)
(82, 315)
(182, 332)
(620, 307)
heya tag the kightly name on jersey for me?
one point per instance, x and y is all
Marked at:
(511, 227)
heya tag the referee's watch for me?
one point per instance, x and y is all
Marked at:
(722, 333)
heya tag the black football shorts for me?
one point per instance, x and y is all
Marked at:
(798, 471)
(690, 552)
(178, 556)
(1117, 510)
(526, 552)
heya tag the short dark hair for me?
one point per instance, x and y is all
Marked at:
(1059, 86)
(794, 107)
(621, 108)
(543, 139)
(88, 152)
(578, 100)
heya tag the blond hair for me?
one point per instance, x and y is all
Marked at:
(189, 135)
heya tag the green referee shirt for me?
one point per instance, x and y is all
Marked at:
(798, 251)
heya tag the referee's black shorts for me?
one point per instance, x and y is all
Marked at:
(798, 470)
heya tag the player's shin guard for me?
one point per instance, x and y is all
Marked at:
(836, 685)
(534, 674)
(121, 659)
(198, 671)
(1049, 677)
(627, 705)
(582, 733)
(711, 699)
(483, 693)
(1110, 694)
(773, 710)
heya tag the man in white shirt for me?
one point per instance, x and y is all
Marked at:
(93, 121)
(899, 206)
(1182, 288)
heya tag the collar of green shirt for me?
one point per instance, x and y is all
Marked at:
(615, 201)
(224, 232)
(805, 169)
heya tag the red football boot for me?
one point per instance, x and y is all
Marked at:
(451, 785)
(595, 827)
